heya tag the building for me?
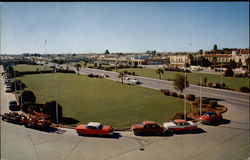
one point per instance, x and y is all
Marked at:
(179, 60)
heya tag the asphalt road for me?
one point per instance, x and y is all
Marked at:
(224, 142)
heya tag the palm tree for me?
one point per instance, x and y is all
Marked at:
(121, 75)
(159, 71)
(214, 60)
(77, 66)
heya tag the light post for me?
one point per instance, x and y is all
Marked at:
(221, 74)
(56, 95)
(185, 105)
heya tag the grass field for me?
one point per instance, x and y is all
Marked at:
(193, 78)
(90, 99)
(22, 68)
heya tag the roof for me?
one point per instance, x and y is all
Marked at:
(217, 55)
(180, 121)
(245, 51)
(95, 124)
(149, 122)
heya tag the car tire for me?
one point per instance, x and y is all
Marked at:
(4, 119)
(158, 133)
(137, 133)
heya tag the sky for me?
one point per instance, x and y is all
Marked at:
(84, 27)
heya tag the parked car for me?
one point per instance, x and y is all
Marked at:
(8, 90)
(94, 128)
(104, 75)
(135, 81)
(13, 106)
(147, 127)
(126, 78)
(180, 125)
(210, 117)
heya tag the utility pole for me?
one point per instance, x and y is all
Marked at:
(21, 96)
(200, 97)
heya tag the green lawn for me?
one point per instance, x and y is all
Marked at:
(90, 99)
(22, 68)
(193, 78)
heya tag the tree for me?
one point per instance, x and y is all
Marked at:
(121, 75)
(148, 52)
(190, 58)
(135, 64)
(179, 83)
(107, 52)
(214, 60)
(77, 66)
(17, 84)
(159, 71)
(228, 72)
(85, 64)
(232, 64)
(51, 109)
(200, 52)
(27, 96)
(215, 50)
(204, 81)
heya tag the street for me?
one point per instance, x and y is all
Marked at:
(224, 142)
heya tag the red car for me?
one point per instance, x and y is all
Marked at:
(150, 127)
(210, 117)
(94, 128)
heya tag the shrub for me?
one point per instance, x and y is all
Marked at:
(25, 106)
(178, 115)
(190, 97)
(165, 92)
(173, 94)
(90, 75)
(181, 96)
(244, 89)
(213, 103)
(204, 101)
(223, 86)
(210, 84)
(27, 96)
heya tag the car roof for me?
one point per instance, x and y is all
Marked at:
(180, 121)
(210, 112)
(149, 122)
(94, 124)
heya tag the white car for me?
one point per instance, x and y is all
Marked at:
(135, 81)
(180, 125)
